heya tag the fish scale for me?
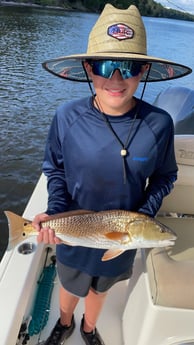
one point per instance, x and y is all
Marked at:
(87, 224)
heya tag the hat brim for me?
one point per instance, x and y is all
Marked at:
(71, 67)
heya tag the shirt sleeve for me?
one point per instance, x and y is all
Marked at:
(162, 180)
(53, 168)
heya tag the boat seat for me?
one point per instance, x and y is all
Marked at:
(181, 199)
(171, 270)
(161, 291)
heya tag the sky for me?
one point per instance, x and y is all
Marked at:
(182, 5)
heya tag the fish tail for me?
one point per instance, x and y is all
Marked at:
(15, 224)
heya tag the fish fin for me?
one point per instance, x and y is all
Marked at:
(122, 237)
(16, 224)
(111, 254)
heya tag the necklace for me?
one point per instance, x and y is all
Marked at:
(124, 146)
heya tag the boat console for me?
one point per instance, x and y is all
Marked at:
(161, 291)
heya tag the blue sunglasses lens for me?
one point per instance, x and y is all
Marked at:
(106, 68)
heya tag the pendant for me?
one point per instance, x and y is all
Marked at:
(123, 152)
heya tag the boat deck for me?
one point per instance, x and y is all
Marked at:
(21, 287)
(110, 319)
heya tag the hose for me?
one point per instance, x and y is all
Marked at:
(41, 307)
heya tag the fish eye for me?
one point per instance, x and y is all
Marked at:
(23, 234)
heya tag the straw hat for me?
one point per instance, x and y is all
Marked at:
(117, 35)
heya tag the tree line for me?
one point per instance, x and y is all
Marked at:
(147, 8)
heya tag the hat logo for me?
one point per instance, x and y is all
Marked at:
(120, 31)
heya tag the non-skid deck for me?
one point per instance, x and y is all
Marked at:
(109, 324)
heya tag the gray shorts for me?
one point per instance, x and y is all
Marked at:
(79, 283)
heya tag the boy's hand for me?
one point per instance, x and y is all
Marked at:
(45, 234)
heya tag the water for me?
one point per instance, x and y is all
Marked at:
(29, 95)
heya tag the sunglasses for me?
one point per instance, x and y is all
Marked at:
(106, 68)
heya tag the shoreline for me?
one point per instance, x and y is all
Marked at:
(78, 7)
(43, 7)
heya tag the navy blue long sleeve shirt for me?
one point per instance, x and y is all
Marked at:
(85, 170)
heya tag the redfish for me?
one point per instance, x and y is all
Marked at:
(114, 230)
